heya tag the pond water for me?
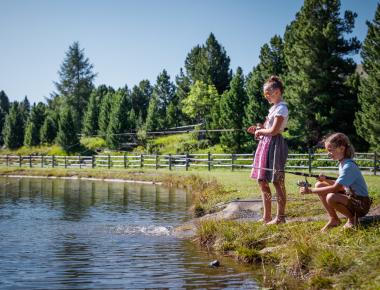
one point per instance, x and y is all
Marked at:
(75, 234)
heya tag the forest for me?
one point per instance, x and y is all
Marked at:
(326, 91)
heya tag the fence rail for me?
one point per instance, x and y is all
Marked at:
(308, 161)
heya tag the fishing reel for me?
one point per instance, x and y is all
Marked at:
(303, 183)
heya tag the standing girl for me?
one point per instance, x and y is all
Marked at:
(272, 151)
(349, 193)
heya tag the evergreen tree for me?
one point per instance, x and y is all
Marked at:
(183, 84)
(151, 123)
(31, 134)
(24, 108)
(218, 64)
(165, 93)
(48, 131)
(67, 136)
(91, 117)
(34, 124)
(76, 82)
(232, 106)
(140, 97)
(209, 63)
(316, 55)
(104, 115)
(4, 109)
(171, 116)
(91, 122)
(367, 120)
(119, 121)
(13, 130)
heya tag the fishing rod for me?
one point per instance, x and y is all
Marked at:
(300, 183)
(295, 173)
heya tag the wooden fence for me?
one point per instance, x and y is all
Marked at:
(309, 161)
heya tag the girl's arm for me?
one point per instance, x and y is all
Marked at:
(336, 187)
(274, 130)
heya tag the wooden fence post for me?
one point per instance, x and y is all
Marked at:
(141, 160)
(187, 161)
(80, 164)
(30, 161)
(170, 162)
(42, 161)
(209, 161)
(7, 160)
(309, 159)
(156, 161)
(109, 161)
(65, 161)
(93, 161)
(374, 163)
(52, 161)
(19, 160)
(232, 161)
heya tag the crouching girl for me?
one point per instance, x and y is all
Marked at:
(349, 193)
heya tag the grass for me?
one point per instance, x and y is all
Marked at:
(338, 259)
(343, 259)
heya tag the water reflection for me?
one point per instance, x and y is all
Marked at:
(75, 234)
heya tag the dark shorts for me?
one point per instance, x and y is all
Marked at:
(358, 205)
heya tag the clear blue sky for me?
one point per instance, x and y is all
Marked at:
(131, 40)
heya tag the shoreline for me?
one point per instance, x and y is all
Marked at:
(84, 178)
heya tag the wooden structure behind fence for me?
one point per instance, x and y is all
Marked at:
(308, 161)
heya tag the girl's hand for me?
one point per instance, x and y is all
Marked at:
(305, 190)
(251, 130)
(258, 133)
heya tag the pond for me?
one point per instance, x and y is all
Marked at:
(76, 234)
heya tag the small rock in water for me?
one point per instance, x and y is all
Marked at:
(214, 264)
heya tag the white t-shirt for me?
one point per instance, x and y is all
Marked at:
(280, 109)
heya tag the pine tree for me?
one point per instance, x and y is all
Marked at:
(24, 108)
(104, 115)
(151, 123)
(67, 136)
(76, 82)
(140, 97)
(31, 134)
(218, 64)
(34, 124)
(91, 122)
(165, 93)
(183, 84)
(316, 55)
(232, 106)
(119, 121)
(4, 109)
(13, 130)
(92, 115)
(367, 120)
(48, 131)
(209, 63)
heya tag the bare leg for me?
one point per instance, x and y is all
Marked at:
(267, 200)
(333, 217)
(281, 202)
(339, 202)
